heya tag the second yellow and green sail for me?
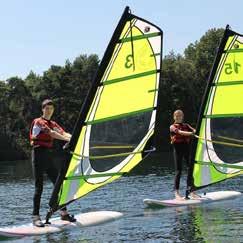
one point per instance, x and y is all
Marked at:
(219, 149)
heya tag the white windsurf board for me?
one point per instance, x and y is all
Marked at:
(204, 198)
(57, 225)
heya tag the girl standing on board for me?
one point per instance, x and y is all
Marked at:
(181, 134)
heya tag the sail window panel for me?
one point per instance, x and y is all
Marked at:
(228, 100)
(116, 137)
(223, 131)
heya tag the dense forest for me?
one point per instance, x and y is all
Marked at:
(184, 79)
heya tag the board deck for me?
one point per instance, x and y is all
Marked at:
(205, 198)
(57, 225)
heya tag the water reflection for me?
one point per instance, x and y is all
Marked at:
(187, 227)
(15, 170)
(214, 222)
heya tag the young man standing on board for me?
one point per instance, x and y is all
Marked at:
(181, 134)
(42, 133)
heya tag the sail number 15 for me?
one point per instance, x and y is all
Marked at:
(230, 68)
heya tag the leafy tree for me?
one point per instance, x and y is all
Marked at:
(184, 78)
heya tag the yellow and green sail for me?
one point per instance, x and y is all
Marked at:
(118, 115)
(219, 149)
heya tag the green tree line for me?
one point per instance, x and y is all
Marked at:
(184, 78)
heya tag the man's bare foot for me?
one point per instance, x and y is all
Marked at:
(178, 196)
(193, 195)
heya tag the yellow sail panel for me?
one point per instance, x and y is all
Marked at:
(123, 64)
(228, 100)
(127, 97)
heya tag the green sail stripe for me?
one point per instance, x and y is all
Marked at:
(155, 54)
(112, 147)
(138, 75)
(220, 142)
(231, 139)
(223, 83)
(105, 156)
(139, 37)
(111, 118)
(240, 167)
(94, 176)
(152, 90)
(234, 50)
(224, 115)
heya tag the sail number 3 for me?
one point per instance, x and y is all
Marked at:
(129, 61)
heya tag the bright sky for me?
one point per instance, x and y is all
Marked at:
(37, 34)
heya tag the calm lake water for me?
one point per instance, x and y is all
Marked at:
(215, 222)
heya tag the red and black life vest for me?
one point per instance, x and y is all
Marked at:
(178, 138)
(44, 138)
